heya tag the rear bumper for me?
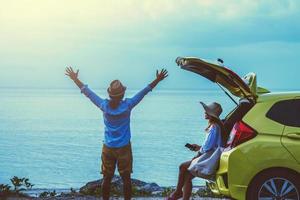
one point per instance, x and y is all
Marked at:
(225, 183)
(236, 191)
(220, 185)
(240, 165)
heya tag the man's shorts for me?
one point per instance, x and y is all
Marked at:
(112, 157)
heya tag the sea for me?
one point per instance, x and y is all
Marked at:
(54, 136)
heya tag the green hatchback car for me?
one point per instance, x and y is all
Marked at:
(261, 159)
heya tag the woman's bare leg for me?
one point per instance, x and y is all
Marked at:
(188, 186)
(182, 173)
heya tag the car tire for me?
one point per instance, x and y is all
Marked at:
(275, 183)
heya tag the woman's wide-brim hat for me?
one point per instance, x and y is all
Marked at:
(214, 109)
(116, 88)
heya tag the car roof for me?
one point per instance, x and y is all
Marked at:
(272, 96)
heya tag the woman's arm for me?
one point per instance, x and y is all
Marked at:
(211, 140)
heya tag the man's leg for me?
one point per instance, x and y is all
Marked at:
(124, 164)
(108, 169)
(127, 188)
(105, 188)
(188, 186)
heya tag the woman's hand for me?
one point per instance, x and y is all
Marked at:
(161, 75)
(70, 72)
(196, 147)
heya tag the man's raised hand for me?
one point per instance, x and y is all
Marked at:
(70, 72)
(162, 74)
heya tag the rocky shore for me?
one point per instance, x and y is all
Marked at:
(92, 191)
(114, 198)
(140, 188)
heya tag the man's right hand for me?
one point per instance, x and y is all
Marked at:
(70, 72)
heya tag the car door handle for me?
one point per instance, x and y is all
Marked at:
(293, 135)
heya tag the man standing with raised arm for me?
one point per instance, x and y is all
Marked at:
(116, 150)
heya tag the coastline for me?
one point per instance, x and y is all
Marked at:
(115, 198)
(35, 193)
(92, 191)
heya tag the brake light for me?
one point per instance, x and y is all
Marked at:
(240, 133)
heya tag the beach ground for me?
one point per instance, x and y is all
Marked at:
(95, 198)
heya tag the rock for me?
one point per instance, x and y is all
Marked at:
(151, 187)
(140, 187)
(199, 189)
(91, 185)
(157, 193)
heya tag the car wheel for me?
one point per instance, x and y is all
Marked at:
(275, 184)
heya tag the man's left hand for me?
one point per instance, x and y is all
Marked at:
(161, 75)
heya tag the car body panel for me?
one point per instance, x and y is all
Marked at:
(277, 96)
(217, 73)
(261, 90)
(259, 122)
(248, 159)
(260, 153)
(291, 141)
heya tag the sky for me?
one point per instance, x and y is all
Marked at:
(130, 39)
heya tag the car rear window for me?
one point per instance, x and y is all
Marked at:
(286, 112)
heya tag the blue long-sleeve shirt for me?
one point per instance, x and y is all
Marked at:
(117, 121)
(212, 140)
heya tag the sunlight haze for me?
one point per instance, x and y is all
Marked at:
(130, 39)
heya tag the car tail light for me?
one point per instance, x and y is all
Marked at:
(240, 133)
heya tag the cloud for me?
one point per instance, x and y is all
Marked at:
(105, 36)
(27, 21)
